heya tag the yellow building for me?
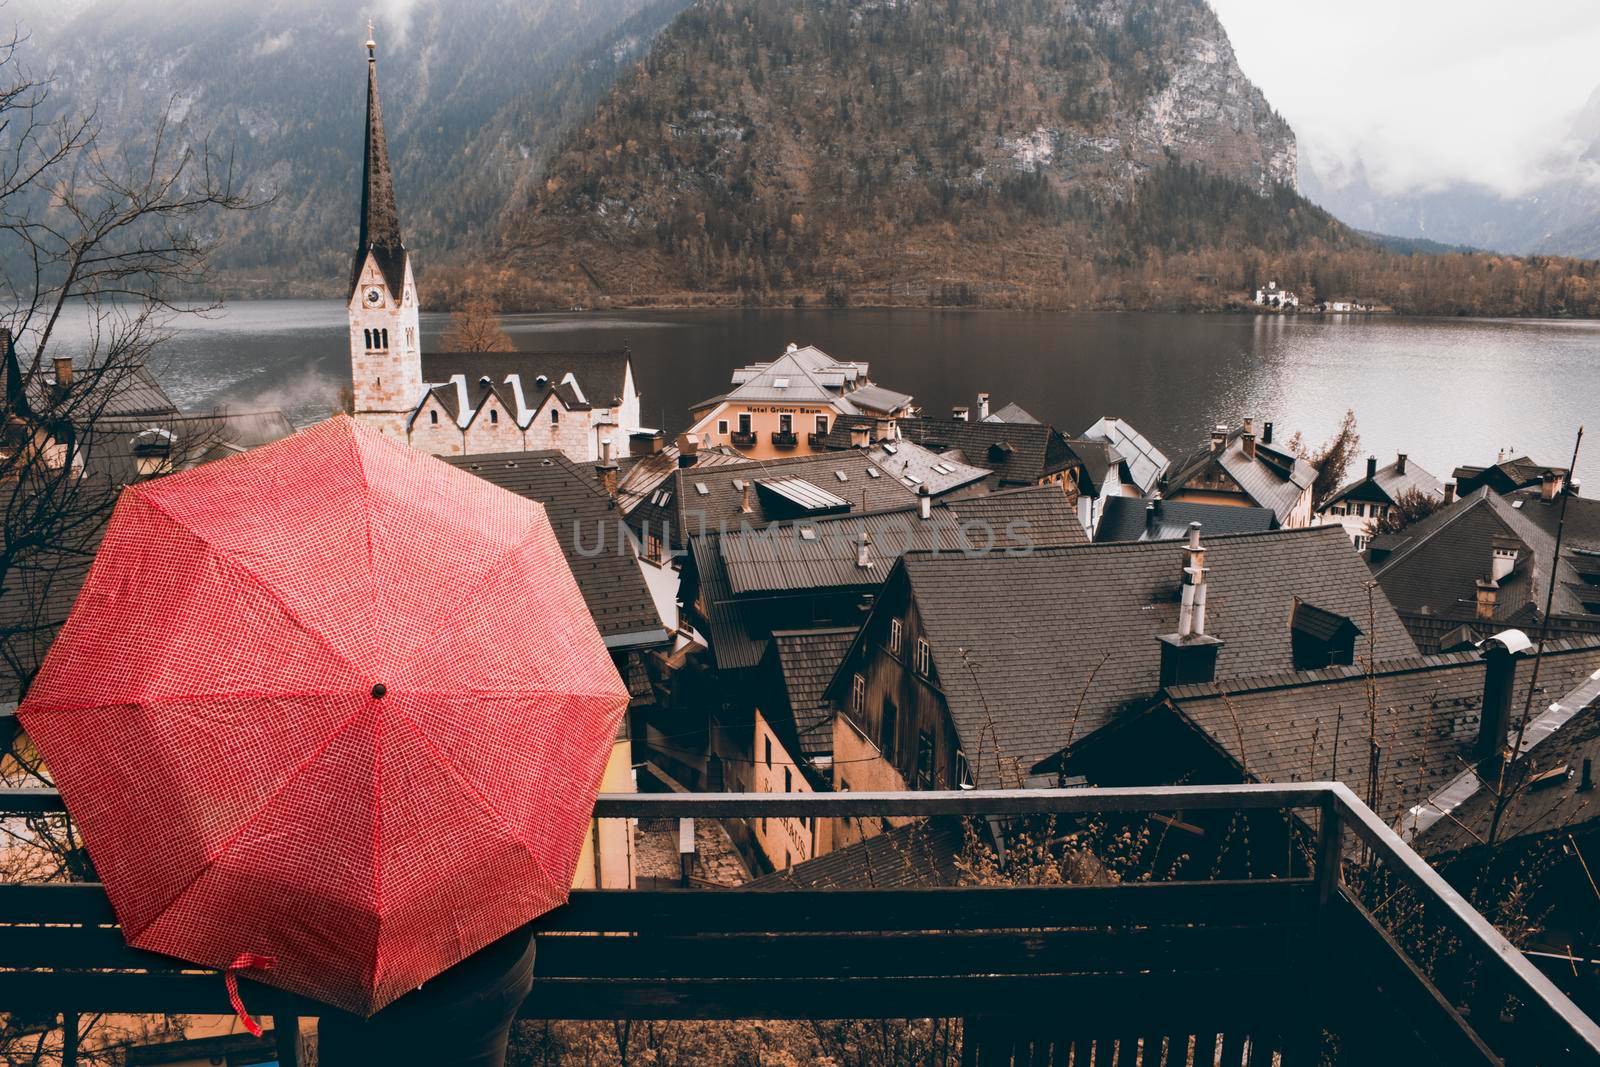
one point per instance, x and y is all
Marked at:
(789, 406)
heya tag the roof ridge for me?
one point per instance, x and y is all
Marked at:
(1106, 546)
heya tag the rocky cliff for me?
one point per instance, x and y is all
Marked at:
(774, 146)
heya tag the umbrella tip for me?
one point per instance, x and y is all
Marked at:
(378, 691)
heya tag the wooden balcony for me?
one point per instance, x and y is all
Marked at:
(1305, 960)
(818, 441)
(780, 439)
(742, 440)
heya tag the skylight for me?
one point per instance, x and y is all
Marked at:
(891, 449)
(780, 383)
(808, 533)
(841, 475)
(873, 472)
(702, 488)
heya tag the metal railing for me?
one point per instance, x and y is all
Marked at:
(1551, 1015)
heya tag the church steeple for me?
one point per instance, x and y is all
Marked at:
(385, 352)
(380, 218)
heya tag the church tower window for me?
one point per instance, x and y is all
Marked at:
(433, 417)
(555, 415)
(494, 416)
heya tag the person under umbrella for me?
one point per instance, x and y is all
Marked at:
(333, 714)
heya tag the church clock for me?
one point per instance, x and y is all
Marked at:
(374, 296)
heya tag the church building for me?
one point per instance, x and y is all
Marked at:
(463, 403)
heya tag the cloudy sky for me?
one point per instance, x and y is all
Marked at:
(1424, 91)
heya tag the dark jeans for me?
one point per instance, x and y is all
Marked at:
(462, 1017)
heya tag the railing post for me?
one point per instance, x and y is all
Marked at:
(1305, 1047)
(69, 1039)
(1330, 854)
(286, 1039)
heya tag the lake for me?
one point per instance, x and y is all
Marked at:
(1446, 391)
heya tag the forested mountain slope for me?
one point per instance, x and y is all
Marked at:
(474, 92)
(1007, 148)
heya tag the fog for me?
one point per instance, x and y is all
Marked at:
(1425, 92)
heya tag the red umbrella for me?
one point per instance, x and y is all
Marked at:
(332, 708)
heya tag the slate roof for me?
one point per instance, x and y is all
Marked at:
(1389, 483)
(1284, 727)
(678, 500)
(918, 466)
(1563, 733)
(1434, 564)
(822, 552)
(1100, 463)
(123, 391)
(1144, 461)
(601, 375)
(808, 374)
(641, 476)
(1502, 476)
(918, 854)
(1273, 479)
(1582, 530)
(875, 398)
(780, 560)
(1012, 412)
(1126, 518)
(1017, 453)
(806, 662)
(1019, 641)
(580, 513)
(181, 441)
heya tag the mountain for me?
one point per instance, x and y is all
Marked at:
(474, 91)
(998, 151)
(1559, 215)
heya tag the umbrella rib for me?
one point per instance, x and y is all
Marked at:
(254, 579)
(248, 821)
(478, 798)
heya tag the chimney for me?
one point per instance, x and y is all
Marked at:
(1449, 492)
(1372, 467)
(860, 435)
(1400, 463)
(864, 551)
(1503, 556)
(1219, 437)
(959, 412)
(63, 372)
(1586, 783)
(688, 449)
(1500, 654)
(647, 442)
(1190, 655)
(1249, 425)
(1488, 594)
(1549, 485)
(1266, 433)
(983, 406)
(606, 469)
(746, 506)
(1152, 518)
(1249, 442)
(924, 501)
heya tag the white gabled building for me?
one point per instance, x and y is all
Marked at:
(463, 403)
